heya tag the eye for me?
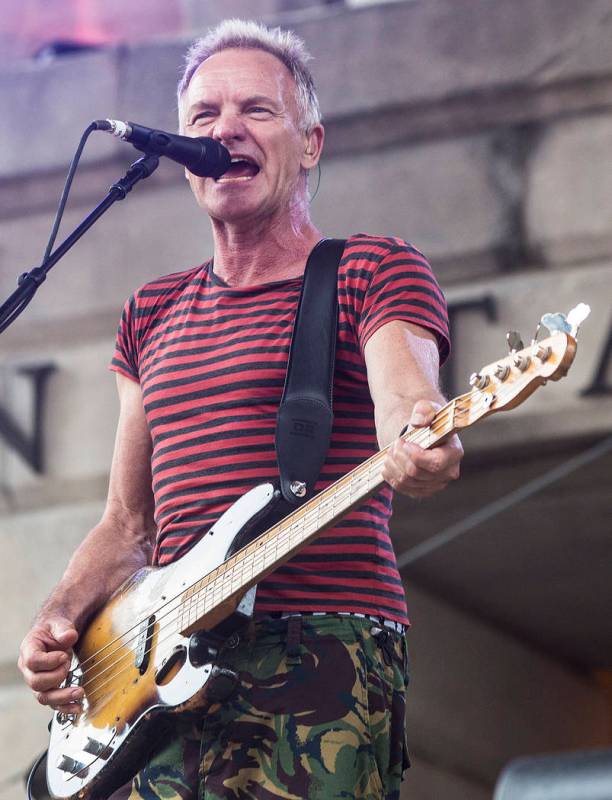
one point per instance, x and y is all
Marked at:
(259, 110)
(202, 116)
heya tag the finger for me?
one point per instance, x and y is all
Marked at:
(421, 490)
(405, 477)
(40, 661)
(437, 461)
(43, 681)
(72, 708)
(60, 697)
(417, 489)
(397, 475)
(406, 460)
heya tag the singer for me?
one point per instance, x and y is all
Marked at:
(317, 708)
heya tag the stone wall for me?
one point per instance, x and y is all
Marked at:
(479, 131)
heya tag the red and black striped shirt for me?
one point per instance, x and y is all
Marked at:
(211, 361)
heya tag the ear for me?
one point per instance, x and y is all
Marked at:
(313, 145)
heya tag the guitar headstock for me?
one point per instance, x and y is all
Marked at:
(507, 382)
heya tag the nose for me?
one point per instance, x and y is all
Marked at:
(228, 127)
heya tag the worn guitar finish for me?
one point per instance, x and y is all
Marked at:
(143, 656)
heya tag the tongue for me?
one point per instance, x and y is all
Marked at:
(241, 169)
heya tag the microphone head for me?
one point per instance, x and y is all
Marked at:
(213, 161)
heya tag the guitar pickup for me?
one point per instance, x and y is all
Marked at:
(143, 644)
(71, 765)
(98, 749)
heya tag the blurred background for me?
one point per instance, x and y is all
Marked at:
(479, 130)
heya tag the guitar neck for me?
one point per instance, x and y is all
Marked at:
(280, 542)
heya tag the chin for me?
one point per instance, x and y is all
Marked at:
(231, 213)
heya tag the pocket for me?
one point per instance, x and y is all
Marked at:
(386, 698)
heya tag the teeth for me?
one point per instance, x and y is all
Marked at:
(240, 178)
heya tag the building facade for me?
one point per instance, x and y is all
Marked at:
(482, 133)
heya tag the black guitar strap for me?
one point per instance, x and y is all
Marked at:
(305, 415)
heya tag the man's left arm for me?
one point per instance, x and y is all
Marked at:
(403, 363)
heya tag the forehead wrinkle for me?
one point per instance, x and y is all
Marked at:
(225, 78)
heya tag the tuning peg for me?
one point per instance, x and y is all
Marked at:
(479, 381)
(514, 341)
(521, 362)
(501, 372)
(534, 341)
(541, 353)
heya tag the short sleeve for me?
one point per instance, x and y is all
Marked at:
(125, 358)
(402, 286)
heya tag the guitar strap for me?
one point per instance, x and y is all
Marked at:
(305, 415)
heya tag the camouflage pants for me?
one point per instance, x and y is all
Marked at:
(319, 714)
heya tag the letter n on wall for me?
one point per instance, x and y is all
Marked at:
(29, 445)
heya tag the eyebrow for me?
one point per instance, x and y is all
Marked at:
(198, 105)
(261, 98)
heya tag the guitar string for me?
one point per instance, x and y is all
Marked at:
(210, 590)
(412, 435)
(293, 538)
(321, 497)
(420, 433)
(366, 467)
(218, 587)
(290, 536)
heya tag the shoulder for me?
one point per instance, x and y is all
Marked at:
(366, 249)
(369, 258)
(168, 287)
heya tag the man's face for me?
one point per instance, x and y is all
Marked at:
(246, 100)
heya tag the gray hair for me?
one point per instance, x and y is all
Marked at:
(286, 46)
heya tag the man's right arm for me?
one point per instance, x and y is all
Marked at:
(119, 545)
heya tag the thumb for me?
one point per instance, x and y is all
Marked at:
(423, 413)
(64, 632)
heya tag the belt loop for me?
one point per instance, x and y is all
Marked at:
(294, 640)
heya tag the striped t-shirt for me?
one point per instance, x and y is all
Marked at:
(211, 362)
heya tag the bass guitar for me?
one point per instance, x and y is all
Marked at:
(150, 651)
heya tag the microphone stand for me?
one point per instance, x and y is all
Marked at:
(29, 282)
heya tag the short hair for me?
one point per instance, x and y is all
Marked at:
(286, 46)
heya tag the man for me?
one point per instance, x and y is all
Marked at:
(201, 358)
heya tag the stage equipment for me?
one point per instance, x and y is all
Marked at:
(563, 776)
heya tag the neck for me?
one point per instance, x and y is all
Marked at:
(262, 251)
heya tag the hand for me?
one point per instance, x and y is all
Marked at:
(44, 660)
(411, 470)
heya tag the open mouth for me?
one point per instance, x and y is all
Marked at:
(241, 169)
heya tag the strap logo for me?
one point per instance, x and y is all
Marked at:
(303, 427)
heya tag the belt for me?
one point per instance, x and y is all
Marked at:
(397, 627)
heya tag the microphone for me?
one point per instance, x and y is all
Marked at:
(201, 155)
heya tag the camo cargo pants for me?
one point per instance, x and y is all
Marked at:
(319, 714)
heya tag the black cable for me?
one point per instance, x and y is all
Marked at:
(66, 190)
(39, 274)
